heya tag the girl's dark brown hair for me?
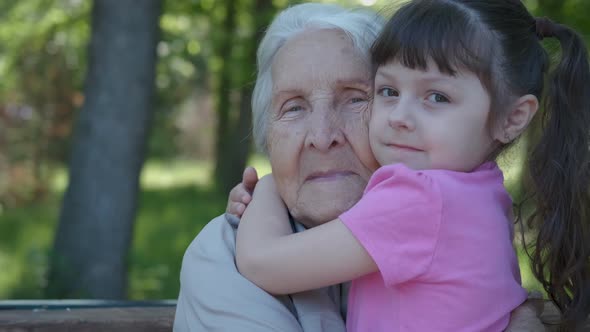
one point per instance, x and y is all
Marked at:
(499, 41)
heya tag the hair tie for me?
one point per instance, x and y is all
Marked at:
(544, 28)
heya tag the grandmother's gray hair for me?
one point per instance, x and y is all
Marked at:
(361, 26)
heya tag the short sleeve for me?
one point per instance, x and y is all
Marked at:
(397, 221)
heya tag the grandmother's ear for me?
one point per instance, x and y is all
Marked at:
(517, 119)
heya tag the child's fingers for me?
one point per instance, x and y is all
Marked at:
(237, 193)
(249, 179)
(236, 208)
(246, 199)
(242, 195)
(235, 196)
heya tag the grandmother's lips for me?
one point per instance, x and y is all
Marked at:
(328, 176)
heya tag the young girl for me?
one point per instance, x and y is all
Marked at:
(429, 244)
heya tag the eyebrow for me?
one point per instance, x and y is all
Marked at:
(361, 84)
(281, 94)
(424, 79)
(354, 83)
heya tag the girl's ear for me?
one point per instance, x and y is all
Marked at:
(517, 119)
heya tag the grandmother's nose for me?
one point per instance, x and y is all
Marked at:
(325, 131)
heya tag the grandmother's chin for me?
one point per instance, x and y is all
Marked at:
(320, 201)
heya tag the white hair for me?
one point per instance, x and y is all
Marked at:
(362, 27)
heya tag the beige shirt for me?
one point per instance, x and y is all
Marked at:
(214, 296)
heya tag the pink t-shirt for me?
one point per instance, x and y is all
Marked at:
(443, 243)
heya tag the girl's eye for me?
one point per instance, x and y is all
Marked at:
(438, 98)
(388, 92)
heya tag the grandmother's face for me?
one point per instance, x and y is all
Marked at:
(317, 136)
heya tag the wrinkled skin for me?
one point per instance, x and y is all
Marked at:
(317, 136)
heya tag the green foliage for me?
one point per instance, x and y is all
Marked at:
(176, 202)
(41, 34)
(42, 65)
(25, 239)
(168, 221)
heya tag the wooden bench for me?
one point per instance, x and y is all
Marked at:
(86, 315)
(119, 316)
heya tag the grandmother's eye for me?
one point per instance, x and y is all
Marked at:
(438, 98)
(296, 108)
(388, 92)
(357, 100)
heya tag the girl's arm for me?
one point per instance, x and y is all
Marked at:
(280, 262)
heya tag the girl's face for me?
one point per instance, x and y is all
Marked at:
(430, 120)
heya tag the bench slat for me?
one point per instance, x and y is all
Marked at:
(95, 315)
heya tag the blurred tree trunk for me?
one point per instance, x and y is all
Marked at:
(99, 206)
(242, 135)
(234, 142)
(223, 149)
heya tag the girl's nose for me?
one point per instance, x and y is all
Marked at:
(401, 117)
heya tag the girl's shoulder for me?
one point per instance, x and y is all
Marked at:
(403, 184)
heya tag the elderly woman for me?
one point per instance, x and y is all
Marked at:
(310, 109)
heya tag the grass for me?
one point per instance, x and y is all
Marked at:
(177, 199)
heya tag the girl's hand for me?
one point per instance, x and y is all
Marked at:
(526, 318)
(241, 195)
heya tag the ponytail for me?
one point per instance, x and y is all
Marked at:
(560, 173)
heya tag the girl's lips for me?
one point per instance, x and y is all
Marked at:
(404, 147)
(328, 175)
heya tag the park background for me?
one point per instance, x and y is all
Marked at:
(156, 173)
